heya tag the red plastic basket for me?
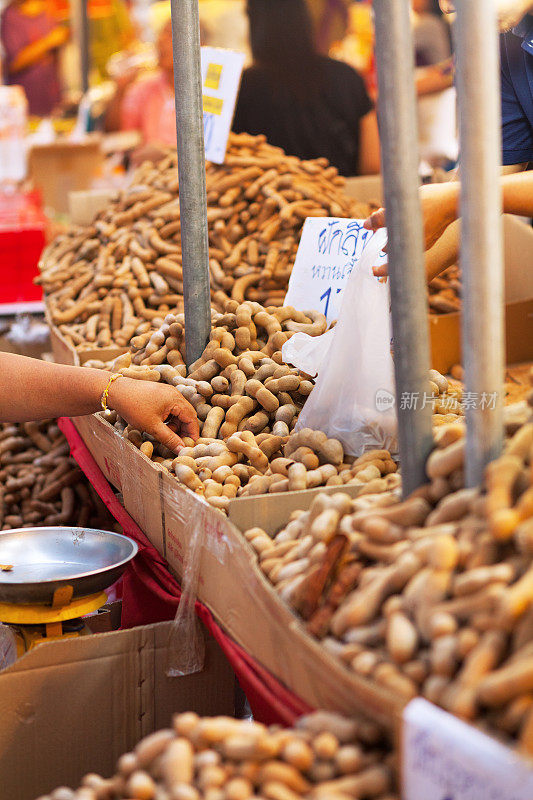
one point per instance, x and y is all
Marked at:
(22, 239)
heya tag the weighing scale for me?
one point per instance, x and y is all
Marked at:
(50, 578)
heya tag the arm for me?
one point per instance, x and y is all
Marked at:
(114, 112)
(440, 207)
(31, 389)
(369, 160)
(435, 78)
(510, 12)
(33, 52)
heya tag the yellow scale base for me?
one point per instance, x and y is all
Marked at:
(34, 624)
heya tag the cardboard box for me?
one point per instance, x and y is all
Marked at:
(365, 188)
(226, 578)
(64, 353)
(74, 706)
(85, 205)
(62, 167)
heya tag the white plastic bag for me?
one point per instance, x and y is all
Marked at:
(353, 399)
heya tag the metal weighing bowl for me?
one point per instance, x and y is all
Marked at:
(44, 559)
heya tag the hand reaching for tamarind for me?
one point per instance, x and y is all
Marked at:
(31, 390)
(157, 408)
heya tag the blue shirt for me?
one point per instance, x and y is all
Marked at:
(517, 92)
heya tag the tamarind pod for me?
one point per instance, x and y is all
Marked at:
(59, 451)
(160, 285)
(521, 443)
(61, 466)
(8, 431)
(12, 521)
(31, 429)
(374, 781)
(67, 504)
(53, 489)
(25, 457)
(506, 683)
(460, 697)
(171, 269)
(213, 421)
(70, 314)
(12, 444)
(310, 591)
(139, 271)
(240, 286)
(363, 604)
(43, 509)
(16, 484)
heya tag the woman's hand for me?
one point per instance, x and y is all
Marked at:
(155, 408)
(439, 203)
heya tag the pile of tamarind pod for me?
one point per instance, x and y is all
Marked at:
(445, 292)
(106, 282)
(431, 596)
(247, 401)
(324, 757)
(40, 484)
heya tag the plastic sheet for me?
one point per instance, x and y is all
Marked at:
(353, 399)
(8, 647)
(186, 644)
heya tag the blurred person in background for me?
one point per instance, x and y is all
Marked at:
(145, 103)
(31, 39)
(431, 33)
(441, 202)
(330, 20)
(308, 104)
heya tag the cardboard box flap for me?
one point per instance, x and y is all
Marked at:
(518, 259)
(74, 706)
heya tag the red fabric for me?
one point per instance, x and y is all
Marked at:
(151, 594)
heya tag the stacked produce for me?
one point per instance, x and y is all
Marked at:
(445, 292)
(107, 282)
(247, 401)
(431, 596)
(324, 757)
(40, 484)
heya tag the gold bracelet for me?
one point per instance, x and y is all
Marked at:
(105, 393)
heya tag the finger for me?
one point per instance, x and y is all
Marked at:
(382, 271)
(375, 221)
(181, 429)
(167, 437)
(188, 420)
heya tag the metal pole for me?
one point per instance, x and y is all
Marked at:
(399, 157)
(191, 171)
(478, 86)
(84, 46)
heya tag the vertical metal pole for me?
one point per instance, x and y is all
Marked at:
(191, 171)
(84, 46)
(399, 157)
(478, 86)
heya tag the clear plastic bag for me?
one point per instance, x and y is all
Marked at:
(353, 399)
(186, 643)
(8, 647)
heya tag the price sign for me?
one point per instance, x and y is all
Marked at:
(221, 76)
(443, 758)
(329, 250)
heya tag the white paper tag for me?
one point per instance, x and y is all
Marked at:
(221, 76)
(443, 758)
(329, 249)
